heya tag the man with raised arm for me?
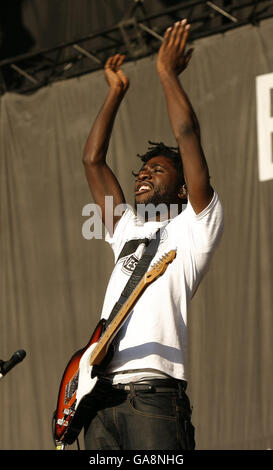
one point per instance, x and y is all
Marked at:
(143, 402)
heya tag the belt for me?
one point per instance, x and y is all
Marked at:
(152, 386)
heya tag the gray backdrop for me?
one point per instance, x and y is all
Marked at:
(52, 280)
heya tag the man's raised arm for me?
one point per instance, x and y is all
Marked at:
(101, 180)
(170, 63)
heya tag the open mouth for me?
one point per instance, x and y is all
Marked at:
(143, 188)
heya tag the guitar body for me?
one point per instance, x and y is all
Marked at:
(73, 389)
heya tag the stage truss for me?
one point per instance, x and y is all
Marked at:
(138, 35)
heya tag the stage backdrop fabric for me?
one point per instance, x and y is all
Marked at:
(53, 280)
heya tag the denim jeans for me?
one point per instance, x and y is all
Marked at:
(140, 420)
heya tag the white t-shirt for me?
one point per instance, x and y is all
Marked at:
(154, 337)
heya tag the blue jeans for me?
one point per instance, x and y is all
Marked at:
(140, 420)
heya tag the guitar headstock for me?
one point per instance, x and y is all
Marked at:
(160, 266)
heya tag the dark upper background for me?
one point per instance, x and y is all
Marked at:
(28, 26)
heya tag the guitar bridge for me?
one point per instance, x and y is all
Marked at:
(67, 412)
(62, 422)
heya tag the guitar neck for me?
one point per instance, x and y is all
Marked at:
(101, 348)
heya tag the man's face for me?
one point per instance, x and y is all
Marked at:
(157, 182)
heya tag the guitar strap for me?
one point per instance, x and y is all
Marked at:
(137, 274)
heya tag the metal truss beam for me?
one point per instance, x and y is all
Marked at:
(137, 35)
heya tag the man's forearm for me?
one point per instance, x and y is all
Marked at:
(98, 140)
(180, 110)
(185, 127)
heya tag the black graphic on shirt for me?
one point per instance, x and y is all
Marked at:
(130, 264)
(127, 255)
(131, 246)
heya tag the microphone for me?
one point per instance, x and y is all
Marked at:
(6, 366)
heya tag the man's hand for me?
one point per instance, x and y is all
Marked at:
(171, 57)
(114, 75)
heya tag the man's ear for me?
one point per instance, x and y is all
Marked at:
(183, 192)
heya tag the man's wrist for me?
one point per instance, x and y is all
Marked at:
(166, 75)
(116, 93)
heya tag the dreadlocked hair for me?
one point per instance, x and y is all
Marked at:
(159, 148)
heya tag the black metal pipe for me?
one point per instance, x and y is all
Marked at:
(198, 33)
(178, 7)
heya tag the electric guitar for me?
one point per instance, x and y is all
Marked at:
(79, 378)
